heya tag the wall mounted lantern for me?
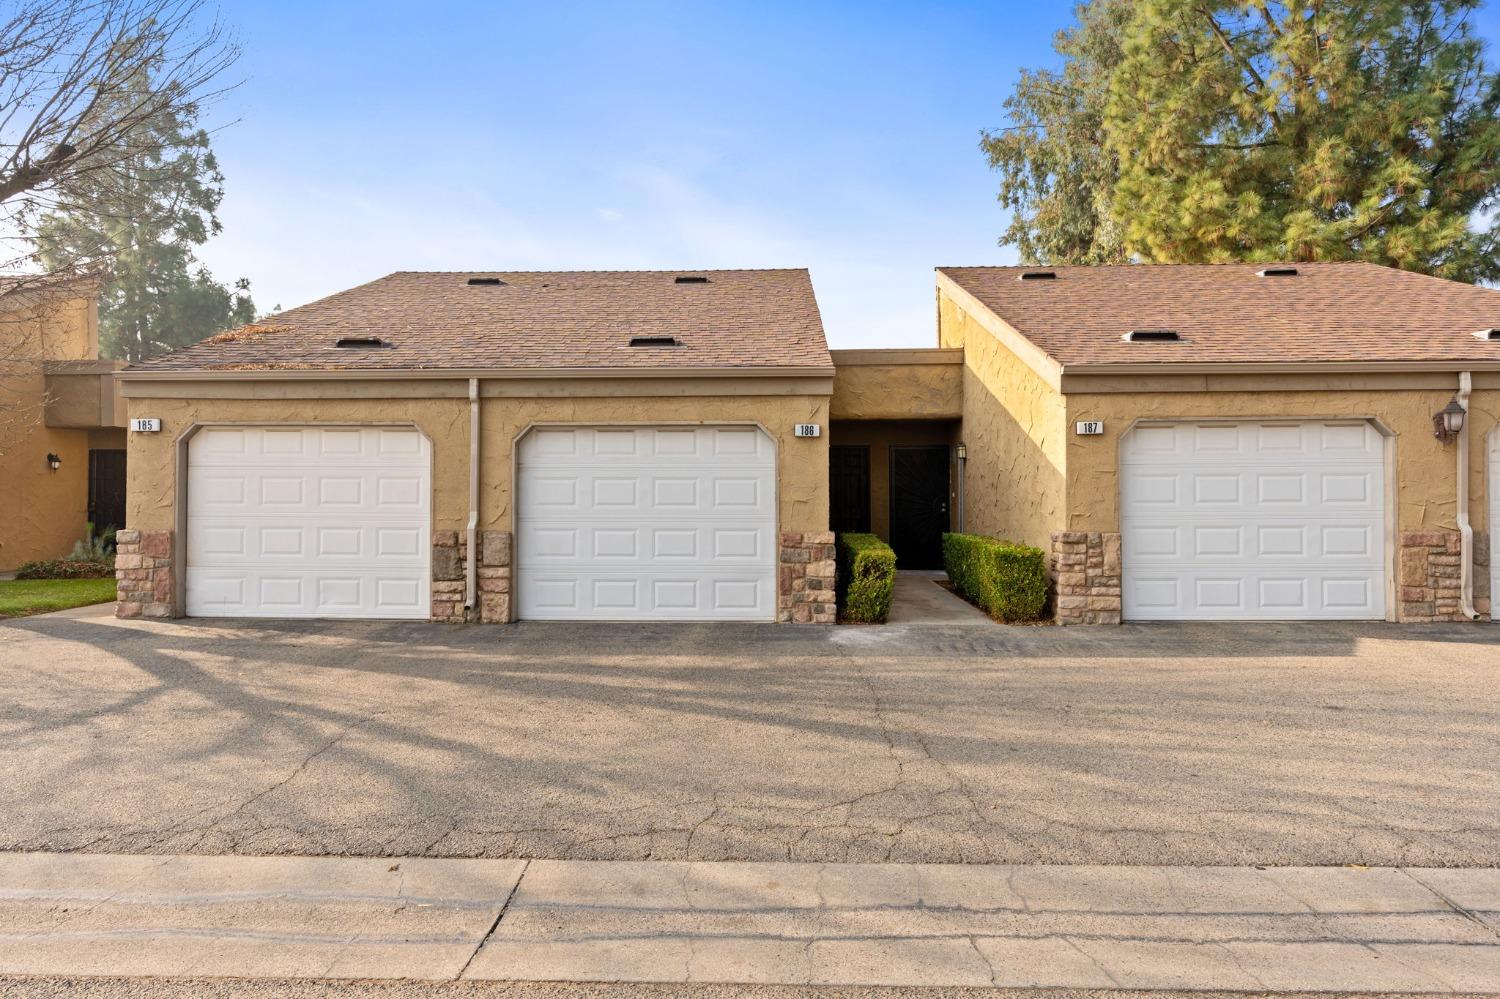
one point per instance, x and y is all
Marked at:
(961, 451)
(53, 461)
(1448, 421)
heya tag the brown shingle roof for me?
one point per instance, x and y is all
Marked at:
(558, 319)
(1339, 312)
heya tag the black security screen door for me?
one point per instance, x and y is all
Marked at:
(106, 489)
(849, 487)
(919, 505)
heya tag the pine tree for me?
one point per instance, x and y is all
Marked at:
(144, 217)
(1307, 131)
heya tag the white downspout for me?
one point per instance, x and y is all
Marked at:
(1465, 529)
(472, 562)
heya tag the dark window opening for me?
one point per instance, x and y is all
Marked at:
(1153, 336)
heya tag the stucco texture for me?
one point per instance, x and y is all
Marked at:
(42, 512)
(897, 392)
(1425, 467)
(1013, 426)
(802, 474)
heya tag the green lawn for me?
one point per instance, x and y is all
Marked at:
(37, 596)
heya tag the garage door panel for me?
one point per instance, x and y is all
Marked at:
(646, 523)
(1253, 521)
(274, 531)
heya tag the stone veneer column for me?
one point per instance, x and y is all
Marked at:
(1430, 575)
(143, 574)
(804, 583)
(1086, 570)
(450, 551)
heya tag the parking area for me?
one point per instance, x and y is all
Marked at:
(1203, 744)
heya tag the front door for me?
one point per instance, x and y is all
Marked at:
(107, 489)
(849, 488)
(919, 504)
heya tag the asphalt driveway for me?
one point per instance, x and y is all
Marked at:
(1255, 744)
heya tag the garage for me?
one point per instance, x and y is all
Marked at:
(666, 523)
(1253, 521)
(300, 521)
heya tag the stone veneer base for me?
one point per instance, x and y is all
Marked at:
(450, 551)
(805, 578)
(1086, 575)
(143, 574)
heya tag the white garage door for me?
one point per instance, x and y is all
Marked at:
(308, 522)
(1247, 521)
(646, 523)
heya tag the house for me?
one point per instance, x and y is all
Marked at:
(1234, 441)
(609, 445)
(62, 442)
(1220, 442)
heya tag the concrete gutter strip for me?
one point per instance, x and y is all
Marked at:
(1195, 928)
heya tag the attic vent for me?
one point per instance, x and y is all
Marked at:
(1490, 334)
(488, 281)
(360, 341)
(1038, 276)
(1152, 336)
(1277, 272)
(690, 279)
(654, 341)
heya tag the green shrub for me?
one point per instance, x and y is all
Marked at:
(67, 568)
(867, 577)
(1006, 580)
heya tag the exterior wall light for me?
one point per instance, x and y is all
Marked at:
(961, 451)
(1448, 421)
(53, 461)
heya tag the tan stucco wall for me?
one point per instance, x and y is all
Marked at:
(1013, 425)
(1425, 467)
(42, 512)
(879, 436)
(898, 391)
(803, 471)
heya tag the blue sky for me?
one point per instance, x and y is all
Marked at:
(371, 137)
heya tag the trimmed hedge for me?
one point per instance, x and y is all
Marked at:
(1007, 581)
(67, 568)
(867, 577)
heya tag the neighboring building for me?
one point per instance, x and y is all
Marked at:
(1263, 441)
(62, 449)
(1188, 442)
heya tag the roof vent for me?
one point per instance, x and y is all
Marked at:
(1038, 276)
(1493, 333)
(690, 279)
(360, 341)
(1152, 336)
(1277, 272)
(655, 341)
(486, 281)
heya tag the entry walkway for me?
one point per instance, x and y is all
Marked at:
(1195, 928)
(920, 600)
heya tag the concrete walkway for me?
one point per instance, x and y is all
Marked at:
(1284, 929)
(919, 599)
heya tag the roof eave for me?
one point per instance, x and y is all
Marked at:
(1273, 367)
(296, 374)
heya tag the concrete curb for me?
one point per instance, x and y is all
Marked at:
(1281, 929)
